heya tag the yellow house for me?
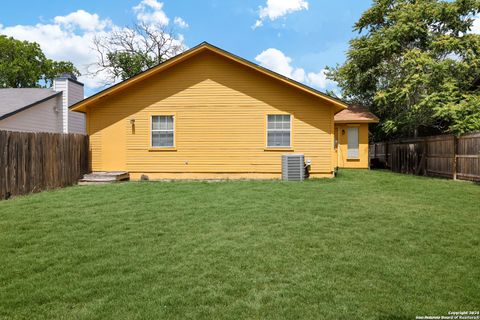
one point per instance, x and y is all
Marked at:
(208, 114)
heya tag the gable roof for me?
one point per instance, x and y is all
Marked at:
(357, 114)
(15, 100)
(204, 46)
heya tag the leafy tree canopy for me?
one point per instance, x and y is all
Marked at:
(416, 64)
(23, 65)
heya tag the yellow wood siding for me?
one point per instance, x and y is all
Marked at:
(342, 159)
(220, 112)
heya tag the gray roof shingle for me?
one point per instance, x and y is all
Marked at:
(13, 100)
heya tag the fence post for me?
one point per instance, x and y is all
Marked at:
(386, 155)
(455, 147)
(425, 168)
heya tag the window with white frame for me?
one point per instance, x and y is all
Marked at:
(352, 152)
(278, 130)
(162, 131)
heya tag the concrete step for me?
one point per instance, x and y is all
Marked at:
(105, 177)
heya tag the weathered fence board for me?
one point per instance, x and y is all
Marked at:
(32, 162)
(444, 155)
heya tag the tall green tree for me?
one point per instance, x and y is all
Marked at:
(24, 65)
(416, 64)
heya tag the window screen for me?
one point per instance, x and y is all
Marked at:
(162, 131)
(352, 152)
(278, 130)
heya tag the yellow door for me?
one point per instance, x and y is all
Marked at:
(114, 153)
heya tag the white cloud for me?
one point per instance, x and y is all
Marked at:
(319, 80)
(151, 12)
(70, 37)
(275, 9)
(82, 20)
(476, 25)
(180, 22)
(277, 61)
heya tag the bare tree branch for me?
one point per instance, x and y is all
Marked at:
(124, 52)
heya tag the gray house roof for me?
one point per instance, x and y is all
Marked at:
(14, 100)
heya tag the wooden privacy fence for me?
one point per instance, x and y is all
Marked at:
(32, 162)
(444, 155)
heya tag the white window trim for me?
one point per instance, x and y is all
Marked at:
(157, 130)
(278, 130)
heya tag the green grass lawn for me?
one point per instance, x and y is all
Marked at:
(367, 245)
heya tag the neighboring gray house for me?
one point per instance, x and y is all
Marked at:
(43, 110)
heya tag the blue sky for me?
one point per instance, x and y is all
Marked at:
(295, 37)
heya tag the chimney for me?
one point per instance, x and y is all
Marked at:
(72, 89)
